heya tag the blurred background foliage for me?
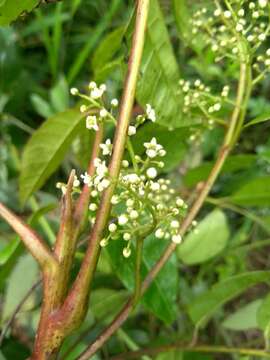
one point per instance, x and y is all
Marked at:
(69, 43)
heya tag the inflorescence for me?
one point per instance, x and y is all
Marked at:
(144, 203)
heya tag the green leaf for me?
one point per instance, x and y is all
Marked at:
(42, 107)
(208, 240)
(20, 281)
(203, 307)
(105, 303)
(107, 48)
(174, 142)
(263, 313)
(254, 193)
(11, 9)
(59, 95)
(158, 83)
(160, 297)
(46, 150)
(8, 251)
(233, 163)
(244, 318)
(262, 118)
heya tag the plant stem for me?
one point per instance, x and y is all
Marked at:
(196, 349)
(223, 154)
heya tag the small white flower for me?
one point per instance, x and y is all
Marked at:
(127, 236)
(151, 173)
(83, 108)
(86, 179)
(153, 148)
(122, 219)
(134, 214)
(103, 113)
(76, 182)
(74, 91)
(262, 3)
(126, 252)
(130, 202)
(131, 130)
(106, 148)
(94, 193)
(159, 233)
(114, 102)
(115, 199)
(177, 239)
(92, 85)
(150, 112)
(93, 207)
(101, 168)
(131, 178)
(125, 163)
(227, 14)
(180, 202)
(91, 123)
(112, 227)
(96, 93)
(262, 37)
(103, 242)
(155, 186)
(217, 106)
(103, 185)
(175, 224)
(103, 87)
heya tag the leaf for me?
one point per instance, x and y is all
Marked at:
(105, 303)
(59, 95)
(20, 281)
(263, 313)
(244, 318)
(262, 118)
(46, 150)
(255, 193)
(160, 297)
(232, 164)
(8, 251)
(11, 9)
(208, 240)
(42, 107)
(203, 307)
(158, 83)
(173, 142)
(107, 48)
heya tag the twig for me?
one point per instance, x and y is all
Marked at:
(223, 154)
(196, 349)
(17, 309)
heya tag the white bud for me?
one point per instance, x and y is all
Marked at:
(93, 207)
(127, 236)
(112, 227)
(175, 224)
(134, 214)
(126, 252)
(125, 163)
(151, 173)
(74, 91)
(122, 219)
(103, 113)
(177, 239)
(131, 130)
(114, 102)
(159, 233)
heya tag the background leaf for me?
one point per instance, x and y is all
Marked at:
(207, 240)
(207, 303)
(11, 9)
(46, 149)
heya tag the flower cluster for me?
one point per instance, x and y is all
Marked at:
(143, 202)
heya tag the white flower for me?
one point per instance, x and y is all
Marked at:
(122, 219)
(180, 202)
(127, 236)
(175, 224)
(115, 199)
(227, 14)
(125, 163)
(103, 242)
(159, 233)
(112, 227)
(262, 3)
(91, 123)
(131, 130)
(126, 252)
(106, 148)
(94, 193)
(76, 182)
(92, 85)
(101, 168)
(74, 91)
(150, 112)
(83, 108)
(86, 179)
(131, 178)
(114, 102)
(217, 106)
(262, 37)
(153, 148)
(177, 239)
(134, 214)
(155, 186)
(93, 207)
(103, 113)
(151, 173)
(103, 185)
